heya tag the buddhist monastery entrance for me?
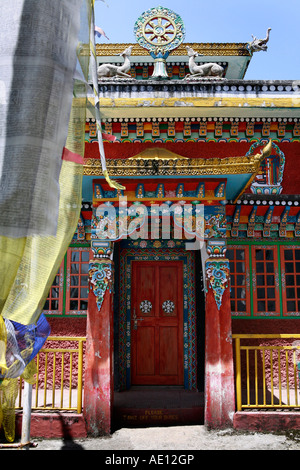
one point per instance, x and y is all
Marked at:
(157, 323)
(159, 320)
(149, 245)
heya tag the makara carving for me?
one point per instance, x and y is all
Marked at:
(259, 44)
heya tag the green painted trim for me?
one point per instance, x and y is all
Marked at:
(232, 241)
(79, 245)
(64, 285)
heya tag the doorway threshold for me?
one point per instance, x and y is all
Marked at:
(142, 406)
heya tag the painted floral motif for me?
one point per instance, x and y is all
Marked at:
(168, 306)
(101, 280)
(218, 272)
(145, 306)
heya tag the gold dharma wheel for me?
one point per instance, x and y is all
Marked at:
(159, 30)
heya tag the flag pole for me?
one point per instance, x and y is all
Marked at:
(26, 418)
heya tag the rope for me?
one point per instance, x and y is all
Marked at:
(112, 183)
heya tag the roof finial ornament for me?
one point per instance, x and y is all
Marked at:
(159, 30)
(257, 45)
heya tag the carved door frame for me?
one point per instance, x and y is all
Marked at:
(127, 255)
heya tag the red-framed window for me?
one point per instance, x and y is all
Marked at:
(77, 281)
(239, 279)
(265, 280)
(69, 292)
(290, 279)
(54, 302)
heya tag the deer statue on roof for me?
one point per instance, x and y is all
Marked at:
(209, 69)
(112, 70)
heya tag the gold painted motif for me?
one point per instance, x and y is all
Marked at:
(176, 165)
(208, 49)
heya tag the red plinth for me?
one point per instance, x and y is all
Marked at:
(98, 382)
(219, 370)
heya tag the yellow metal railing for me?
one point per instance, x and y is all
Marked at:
(267, 371)
(59, 378)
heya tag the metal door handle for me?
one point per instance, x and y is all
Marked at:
(135, 320)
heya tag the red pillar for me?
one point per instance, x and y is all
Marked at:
(98, 382)
(219, 369)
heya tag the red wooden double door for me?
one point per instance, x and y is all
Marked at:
(157, 323)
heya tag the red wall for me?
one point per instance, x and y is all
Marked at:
(67, 326)
(62, 327)
(291, 178)
(267, 326)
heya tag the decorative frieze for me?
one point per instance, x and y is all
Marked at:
(236, 221)
(194, 129)
(155, 129)
(267, 221)
(269, 218)
(296, 130)
(251, 222)
(234, 129)
(187, 131)
(171, 129)
(283, 221)
(108, 127)
(124, 129)
(140, 129)
(218, 128)
(250, 129)
(297, 225)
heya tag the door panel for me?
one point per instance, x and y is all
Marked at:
(157, 323)
(168, 350)
(145, 360)
(168, 279)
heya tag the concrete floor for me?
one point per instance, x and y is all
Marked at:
(161, 442)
